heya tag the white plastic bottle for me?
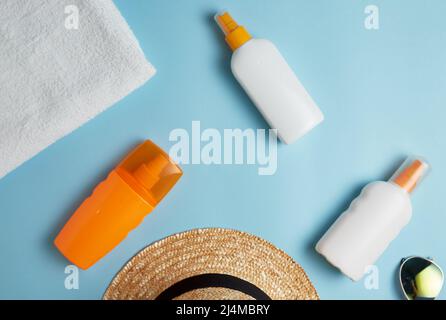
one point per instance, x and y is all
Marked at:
(270, 82)
(375, 218)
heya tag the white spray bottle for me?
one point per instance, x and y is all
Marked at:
(270, 82)
(375, 218)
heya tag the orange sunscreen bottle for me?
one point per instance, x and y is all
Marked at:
(118, 205)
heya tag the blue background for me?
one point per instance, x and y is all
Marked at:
(383, 95)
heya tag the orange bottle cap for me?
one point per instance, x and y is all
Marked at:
(410, 174)
(150, 171)
(118, 205)
(236, 35)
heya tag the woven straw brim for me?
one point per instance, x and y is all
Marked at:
(215, 251)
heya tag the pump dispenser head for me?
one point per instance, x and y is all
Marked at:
(236, 35)
(410, 174)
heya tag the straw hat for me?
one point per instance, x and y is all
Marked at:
(211, 264)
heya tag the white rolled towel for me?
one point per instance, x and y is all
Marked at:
(57, 71)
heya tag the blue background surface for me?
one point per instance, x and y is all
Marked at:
(383, 95)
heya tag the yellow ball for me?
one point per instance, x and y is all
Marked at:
(429, 282)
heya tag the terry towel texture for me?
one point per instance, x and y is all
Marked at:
(54, 79)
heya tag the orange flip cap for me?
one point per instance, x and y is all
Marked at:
(118, 205)
(410, 174)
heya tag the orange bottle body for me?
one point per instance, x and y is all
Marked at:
(118, 205)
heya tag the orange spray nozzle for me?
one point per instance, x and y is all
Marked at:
(236, 35)
(410, 174)
(226, 23)
(148, 174)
